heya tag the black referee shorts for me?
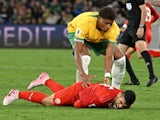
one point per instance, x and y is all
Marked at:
(129, 37)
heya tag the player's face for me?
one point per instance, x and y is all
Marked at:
(119, 103)
(104, 24)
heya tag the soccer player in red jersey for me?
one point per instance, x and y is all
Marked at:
(95, 95)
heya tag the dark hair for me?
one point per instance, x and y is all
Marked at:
(107, 12)
(130, 97)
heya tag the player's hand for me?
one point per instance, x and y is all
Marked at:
(140, 32)
(86, 79)
(106, 81)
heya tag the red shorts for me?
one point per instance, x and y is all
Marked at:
(67, 96)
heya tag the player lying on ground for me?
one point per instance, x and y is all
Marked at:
(95, 95)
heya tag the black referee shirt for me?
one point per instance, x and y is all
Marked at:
(133, 12)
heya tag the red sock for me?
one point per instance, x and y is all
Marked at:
(54, 86)
(128, 56)
(36, 97)
(154, 53)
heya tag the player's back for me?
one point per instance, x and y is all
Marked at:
(99, 94)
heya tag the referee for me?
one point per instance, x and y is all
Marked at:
(134, 37)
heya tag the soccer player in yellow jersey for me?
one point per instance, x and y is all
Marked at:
(97, 31)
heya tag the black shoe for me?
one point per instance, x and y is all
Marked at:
(132, 83)
(151, 81)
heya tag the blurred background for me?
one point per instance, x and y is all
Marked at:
(42, 23)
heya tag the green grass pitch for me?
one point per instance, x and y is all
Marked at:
(18, 67)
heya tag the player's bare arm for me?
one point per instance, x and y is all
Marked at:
(79, 50)
(108, 62)
(140, 30)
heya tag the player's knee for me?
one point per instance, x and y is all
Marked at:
(118, 53)
(120, 62)
(47, 101)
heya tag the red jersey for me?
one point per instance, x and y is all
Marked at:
(151, 14)
(151, 17)
(68, 95)
(98, 95)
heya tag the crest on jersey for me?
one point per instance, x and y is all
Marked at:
(78, 31)
(129, 6)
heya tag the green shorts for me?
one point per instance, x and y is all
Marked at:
(98, 48)
(71, 38)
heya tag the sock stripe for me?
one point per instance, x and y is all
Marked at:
(30, 96)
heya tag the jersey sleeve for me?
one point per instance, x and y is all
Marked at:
(81, 31)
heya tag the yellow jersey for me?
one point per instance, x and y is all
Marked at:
(84, 27)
